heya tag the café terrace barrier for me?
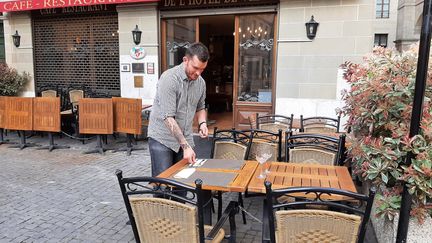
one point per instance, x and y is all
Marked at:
(96, 117)
(19, 116)
(46, 118)
(127, 119)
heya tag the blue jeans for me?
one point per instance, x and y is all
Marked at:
(162, 157)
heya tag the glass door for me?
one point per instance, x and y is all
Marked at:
(177, 35)
(254, 66)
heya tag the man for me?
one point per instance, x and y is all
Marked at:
(180, 95)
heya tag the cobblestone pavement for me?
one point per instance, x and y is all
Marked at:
(67, 196)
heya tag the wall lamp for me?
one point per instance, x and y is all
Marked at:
(16, 39)
(311, 28)
(136, 34)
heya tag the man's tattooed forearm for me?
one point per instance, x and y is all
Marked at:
(176, 132)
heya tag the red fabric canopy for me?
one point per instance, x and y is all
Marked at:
(24, 5)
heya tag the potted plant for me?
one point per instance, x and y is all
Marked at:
(378, 107)
(11, 82)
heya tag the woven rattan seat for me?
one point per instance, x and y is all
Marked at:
(316, 148)
(258, 145)
(166, 221)
(311, 155)
(316, 226)
(229, 150)
(313, 218)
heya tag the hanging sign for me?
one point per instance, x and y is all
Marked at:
(24, 5)
(137, 52)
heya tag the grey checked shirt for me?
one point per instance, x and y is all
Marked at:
(176, 97)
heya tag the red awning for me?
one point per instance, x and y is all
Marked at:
(24, 5)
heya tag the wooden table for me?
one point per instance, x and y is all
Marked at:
(283, 175)
(237, 175)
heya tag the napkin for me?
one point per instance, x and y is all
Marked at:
(185, 173)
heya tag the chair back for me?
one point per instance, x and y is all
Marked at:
(319, 124)
(162, 210)
(75, 95)
(49, 93)
(263, 140)
(316, 148)
(312, 156)
(274, 122)
(230, 144)
(314, 219)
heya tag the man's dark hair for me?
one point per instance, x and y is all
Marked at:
(198, 49)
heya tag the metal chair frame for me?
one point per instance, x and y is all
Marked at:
(316, 141)
(274, 119)
(317, 121)
(169, 189)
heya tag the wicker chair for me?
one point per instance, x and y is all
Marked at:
(265, 140)
(315, 148)
(168, 216)
(49, 93)
(319, 124)
(274, 122)
(345, 223)
(230, 144)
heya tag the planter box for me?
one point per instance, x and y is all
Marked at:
(386, 230)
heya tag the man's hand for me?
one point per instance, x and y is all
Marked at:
(189, 154)
(203, 131)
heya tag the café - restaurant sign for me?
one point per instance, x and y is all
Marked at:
(24, 5)
(190, 4)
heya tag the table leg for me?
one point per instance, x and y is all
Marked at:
(207, 198)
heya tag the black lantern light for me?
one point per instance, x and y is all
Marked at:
(16, 39)
(311, 28)
(136, 34)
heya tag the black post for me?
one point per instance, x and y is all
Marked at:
(420, 85)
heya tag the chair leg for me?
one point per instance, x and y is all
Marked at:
(240, 201)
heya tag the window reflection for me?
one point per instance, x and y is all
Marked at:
(256, 57)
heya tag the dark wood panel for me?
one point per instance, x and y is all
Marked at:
(46, 115)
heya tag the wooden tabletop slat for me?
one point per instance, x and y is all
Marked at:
(297, 174)
(345, 179)
(242, 180)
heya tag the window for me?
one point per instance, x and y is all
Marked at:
(382, 9)
(381, 40)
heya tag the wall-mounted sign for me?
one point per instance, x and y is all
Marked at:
(150, 68)
(137, 52)
(24, 5)
(138, 67)
(189, 4)
(125, 67)
(138, 82)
